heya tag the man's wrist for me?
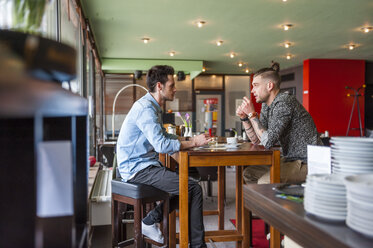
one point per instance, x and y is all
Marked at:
(252, 115)
(244, 119)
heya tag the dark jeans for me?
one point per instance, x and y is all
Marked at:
(168, 181)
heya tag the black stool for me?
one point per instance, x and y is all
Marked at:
(137, 195)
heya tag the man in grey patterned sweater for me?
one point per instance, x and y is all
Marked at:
(282, 120)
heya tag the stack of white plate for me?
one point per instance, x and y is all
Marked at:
(325, 196)
(360, 203)
(351, 155)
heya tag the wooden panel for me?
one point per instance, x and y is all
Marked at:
(230, 160)
(113, 83)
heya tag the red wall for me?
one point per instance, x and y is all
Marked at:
(257, 106)
(325, 96)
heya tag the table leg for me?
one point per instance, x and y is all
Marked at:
(183, 199)
(221, 196)
(275, 241)
(170, 163)
(172, 229)
(246, 228)
(239, 203)
(275, 170)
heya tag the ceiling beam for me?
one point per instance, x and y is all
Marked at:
(192, 67)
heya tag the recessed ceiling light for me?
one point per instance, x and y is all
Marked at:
(367, 29)
(219, 42)
(351, 46)
(284, 0)
(172, 54)
(240, 64)
(289, 56)
(203, 69)
(201, 23)
(287, 26)
(287, 44)
(247, 70)
(232, 55)
(145, 40)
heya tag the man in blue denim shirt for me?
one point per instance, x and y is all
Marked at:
(142, 137)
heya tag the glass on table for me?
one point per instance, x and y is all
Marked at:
(213, 141)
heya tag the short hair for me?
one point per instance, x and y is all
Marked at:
(158, 73)
(271, 73)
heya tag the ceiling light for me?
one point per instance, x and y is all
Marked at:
(284, 0)
(145, 40)
(287, 44)
(240, 64)
(219, 42)
(288, 56)
(367, 29)
(287, 26)
(203, 69)
(232, 55)
(201, 23)
(247, 70)
(172, 54)
(351, 46)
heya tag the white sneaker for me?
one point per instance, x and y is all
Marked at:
(152, 231)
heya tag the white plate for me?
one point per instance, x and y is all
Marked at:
(360, 197)
(325, 179)
(352, 140)
(327, 216)
(350, 159)
(349, 154)
(331, 201)
(360, 214)
(352, 163)
(232, 145)
(358, 228)
(360, 219)
(335, 210)
(348, 166)
(348, 148)
(332, 213)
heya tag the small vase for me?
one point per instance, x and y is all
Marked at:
(188, 132)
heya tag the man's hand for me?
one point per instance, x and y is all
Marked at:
(201, 140)
(247, 106)
(240, 113)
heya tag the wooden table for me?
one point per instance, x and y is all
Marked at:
(246, 154)
(290, 218)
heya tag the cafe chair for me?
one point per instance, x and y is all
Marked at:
(141, 197)
(137, 195)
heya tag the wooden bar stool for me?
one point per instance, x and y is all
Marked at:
(137, 195)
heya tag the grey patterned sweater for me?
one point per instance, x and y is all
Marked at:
(288, 123)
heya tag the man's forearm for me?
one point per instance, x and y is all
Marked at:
(258, 128)
(250, 132)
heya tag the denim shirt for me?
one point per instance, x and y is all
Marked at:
(142, 136)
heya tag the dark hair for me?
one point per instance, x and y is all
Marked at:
(158, 73)
(271, 73)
